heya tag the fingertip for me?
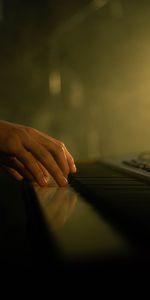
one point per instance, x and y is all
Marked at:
(74, 168)
(63, 182)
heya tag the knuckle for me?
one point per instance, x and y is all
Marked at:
(22, 133)
(13, 141)
(60, 147)
(29, 130)
(61, 144)
(16, 134)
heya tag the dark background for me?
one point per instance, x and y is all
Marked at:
(80, 73)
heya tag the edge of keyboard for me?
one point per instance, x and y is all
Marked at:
(127, 164)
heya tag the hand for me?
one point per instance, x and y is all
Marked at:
(27, 152)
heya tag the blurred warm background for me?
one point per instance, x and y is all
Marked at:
(78, 70)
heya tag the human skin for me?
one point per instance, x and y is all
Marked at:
(28, 153)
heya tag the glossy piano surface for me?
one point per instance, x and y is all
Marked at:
(84, 235)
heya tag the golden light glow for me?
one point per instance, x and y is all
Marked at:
(55, 82)
(99, 3)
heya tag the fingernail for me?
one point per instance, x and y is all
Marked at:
(74, 169)
(43, 181)
(64, 181)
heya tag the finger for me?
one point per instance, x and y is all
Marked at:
(46, 159)
(71, 162)
(45, 172)
(13, 173)
(70, 159)
(55, 146)
(15, 164)
(30, 163)
(58, 152)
